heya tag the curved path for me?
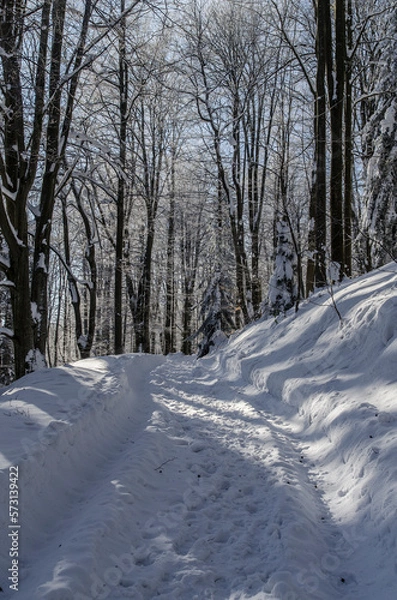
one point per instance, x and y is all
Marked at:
(193, 490)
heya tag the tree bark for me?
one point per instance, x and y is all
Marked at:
(142, 312)
(348, 153)
(58, 128)
(336, 89)
(169, 324)
(316, 273)
(123, 108)
(17, 179)
(41, 256)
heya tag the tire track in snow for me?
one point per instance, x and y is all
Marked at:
(240, 526)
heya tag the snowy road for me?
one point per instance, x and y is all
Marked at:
(264, 472)
(197, 495)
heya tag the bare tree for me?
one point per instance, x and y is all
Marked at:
(42, 58)
(233, 77)
(378, 235)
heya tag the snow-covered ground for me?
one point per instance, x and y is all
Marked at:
(265, 471)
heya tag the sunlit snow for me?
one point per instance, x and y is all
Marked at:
(266, 470)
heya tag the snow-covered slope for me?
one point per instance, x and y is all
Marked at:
(266, 471)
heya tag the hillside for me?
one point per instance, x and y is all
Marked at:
(266, 470)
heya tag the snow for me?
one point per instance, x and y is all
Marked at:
(82, 341)
(4, 262)
(41, 263)
(7, 283)
(8, 193)
(389, 121)
(7, 332)
(35, 359)
(36, 316)
(266, 470)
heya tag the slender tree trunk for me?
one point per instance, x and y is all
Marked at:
(320, 191)
(348, 116)
(336, 89)
(169, 325)
(190, 252)
(142, 313)
(243, 276)
(58, 318)
(316, 275)
(123, 107)
(84, 327)
(255, 193)
(187, 314)
(72, 283)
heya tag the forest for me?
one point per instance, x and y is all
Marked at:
(171, 170)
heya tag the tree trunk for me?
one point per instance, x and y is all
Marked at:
(58, 129)
(84, 327)
(187, 313)
(169, 325)
(348, 158)
(15, 187)
(320, 191)
(336, 89)
(123, 107)
(41, 256)
(142, 314)
(318, 207)
(24, 354)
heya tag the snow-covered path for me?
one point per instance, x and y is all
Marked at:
(247, 503)
(266, 471)
(198, 494)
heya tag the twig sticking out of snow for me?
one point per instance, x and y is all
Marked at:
(164, 463)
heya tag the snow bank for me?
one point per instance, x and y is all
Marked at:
(59, 428)
(340, 375)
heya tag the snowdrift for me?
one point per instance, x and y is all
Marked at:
(266, 470)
